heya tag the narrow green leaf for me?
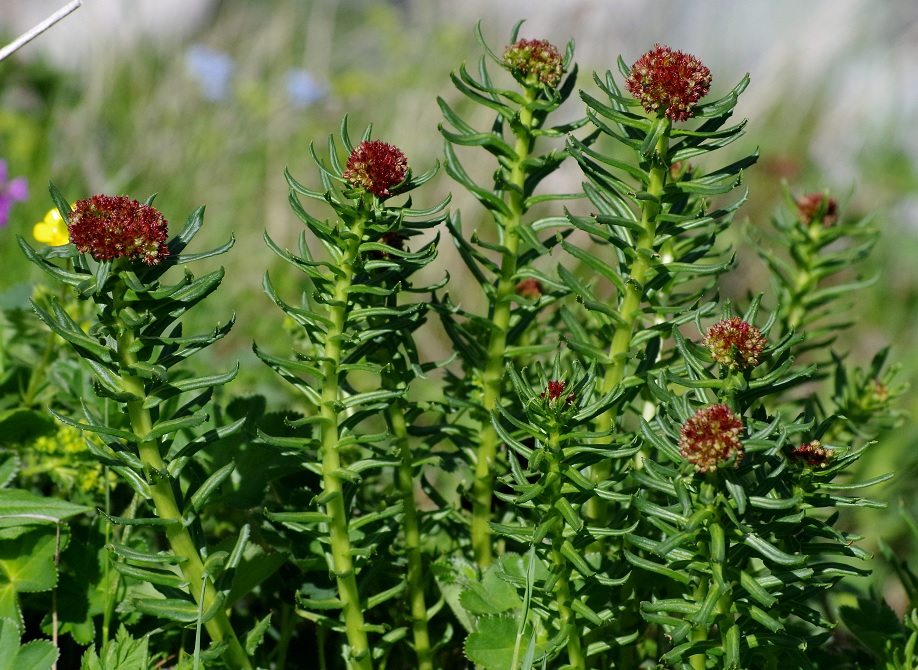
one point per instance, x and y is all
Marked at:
(210, 485)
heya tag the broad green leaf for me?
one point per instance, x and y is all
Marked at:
(35, 655)
(20, 426)
(492, 595)
(493, 644)
(19, 507)
(27, 562)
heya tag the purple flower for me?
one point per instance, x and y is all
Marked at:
(13, 190)
(212, 69)
(304, 89)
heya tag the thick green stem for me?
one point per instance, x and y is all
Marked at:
(483, 486)
(333, 494)
(166, 507)
(629, 308)
(422, 647)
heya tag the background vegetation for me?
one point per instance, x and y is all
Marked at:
(214, 114)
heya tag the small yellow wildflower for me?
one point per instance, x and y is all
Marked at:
(52, 231)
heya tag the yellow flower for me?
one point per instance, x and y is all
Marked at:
(52, 231)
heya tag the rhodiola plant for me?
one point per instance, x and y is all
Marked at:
(614, 468)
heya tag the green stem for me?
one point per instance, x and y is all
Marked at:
(411, 528)
(166, 507)
(805, 281)
(630, 307)
(333, 492)
(165, 504)
(483, 486)
(560, 565)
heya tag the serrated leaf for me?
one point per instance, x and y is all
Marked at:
(35, 655)
(492, 595)
(122, 653)
(254, 637)
(27, 566)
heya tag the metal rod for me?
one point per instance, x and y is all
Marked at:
(27, 37)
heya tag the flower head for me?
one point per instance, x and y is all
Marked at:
(11, 191)
(817, 207)
(711, 437)
(668, 82)
(735, 344)
(813, 454)
(532, 61)
(529, 288)
(377, 167)
(52, 230)
(555, 390)
(110, 227)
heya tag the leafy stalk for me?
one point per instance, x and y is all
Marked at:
(356, 322)
(131, 359)
(520, 171)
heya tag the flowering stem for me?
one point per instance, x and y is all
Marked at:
(483, 486)
(333, 493)
(560, 565)
(631, 302)
(804, 283)
(164, 500)
(422, 648)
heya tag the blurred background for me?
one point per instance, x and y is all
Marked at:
(207, 101)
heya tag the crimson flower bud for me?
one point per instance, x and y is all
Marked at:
(813, 454)
(555, 390)
(376, 167)
(816, 207)
(529, 288)
(668, 82)
(711, 437)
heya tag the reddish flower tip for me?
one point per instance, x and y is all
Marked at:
(532, 61)
(735, 344)
(376, 167)
(110, 227)
(529, 288)
(816, 207)
(711, 437)
(555, 390)
(668, 82)
(813, 454)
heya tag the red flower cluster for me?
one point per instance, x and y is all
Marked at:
(735, 344)
(815, 207)
(555, 390)
(377, 167)
(534, 60)
(669, 82)
(109, 227)
(711, 437)
(813, 454)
